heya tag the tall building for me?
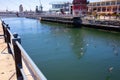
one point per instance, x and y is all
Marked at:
(36, 10)
(105, 6)
(21, 8)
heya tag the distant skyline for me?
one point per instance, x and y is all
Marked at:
(13, 5)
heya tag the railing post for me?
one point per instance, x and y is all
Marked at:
(4, 31)
(7, 35)
(17, 55)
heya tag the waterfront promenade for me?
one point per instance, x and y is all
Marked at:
(7, 63)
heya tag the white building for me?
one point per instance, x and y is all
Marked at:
(65, 6)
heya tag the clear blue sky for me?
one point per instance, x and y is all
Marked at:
(27, 4)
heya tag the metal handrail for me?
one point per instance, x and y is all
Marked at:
(37, 73)
(18, 52)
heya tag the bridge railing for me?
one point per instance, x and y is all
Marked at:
(20, 56)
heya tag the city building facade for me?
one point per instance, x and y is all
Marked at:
(77, 7)
(58, 6)
(105, 7)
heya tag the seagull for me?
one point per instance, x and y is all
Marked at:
(110, 69)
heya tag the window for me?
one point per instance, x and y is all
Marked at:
(98, 4)
(103, 3)
(90, 4)
(107, 3)
(99, 9)
(103, 9)
(115, 9)
(113, 3)
(118, 2)
(94, 4)
(119, 8)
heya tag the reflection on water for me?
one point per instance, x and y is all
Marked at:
(77, 43)
(66, 53)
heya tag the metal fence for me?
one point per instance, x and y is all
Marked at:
(20, 55)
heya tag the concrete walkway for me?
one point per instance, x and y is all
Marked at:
(7, 65)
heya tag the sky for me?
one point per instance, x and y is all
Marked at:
(13, 5)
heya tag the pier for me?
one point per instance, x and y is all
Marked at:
(76, 21)
(81, 22)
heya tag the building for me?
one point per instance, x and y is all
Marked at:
(21, 8)
(79, 7)
(58, 6)
(105, 7)
(39, 9)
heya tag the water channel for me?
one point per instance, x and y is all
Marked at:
(65, 53)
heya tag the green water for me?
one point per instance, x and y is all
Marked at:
(65, 53)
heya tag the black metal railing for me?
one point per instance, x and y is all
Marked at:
(20, 55)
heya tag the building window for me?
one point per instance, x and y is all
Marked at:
(115, 9)
(108, 9)
(94, 4)
(103, 3)
(89, 4)
(118, 2)
(53, 6)
(99, 9)
(104, 9)
(119, 8)
(113, 3)
(98, 4)
(107, 3)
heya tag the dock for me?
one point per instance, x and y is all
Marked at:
(71, 20)
(80, 22)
